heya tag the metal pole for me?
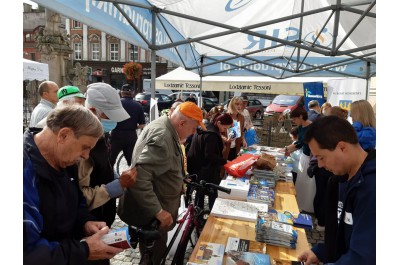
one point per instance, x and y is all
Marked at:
(153, 65)
(200, 101)
(368, 78)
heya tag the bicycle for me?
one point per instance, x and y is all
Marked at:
(196, 218)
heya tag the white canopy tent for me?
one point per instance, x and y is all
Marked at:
(278, 39)
(35, 70)
(181, 79)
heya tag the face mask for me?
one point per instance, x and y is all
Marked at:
(108, 125)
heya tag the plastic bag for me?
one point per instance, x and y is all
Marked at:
(239, 166)
(251, 137)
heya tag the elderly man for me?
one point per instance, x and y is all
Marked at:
(48, 93)
(350, 237)
(66, 95)
(159, 161)
(56, 216)
(96, 174)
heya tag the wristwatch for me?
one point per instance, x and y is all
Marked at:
(286, 149)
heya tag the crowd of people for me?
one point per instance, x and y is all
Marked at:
(70, 186)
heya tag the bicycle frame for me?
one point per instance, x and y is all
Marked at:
(192, 222)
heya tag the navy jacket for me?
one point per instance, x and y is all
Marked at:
(54, 211)
(356, 231)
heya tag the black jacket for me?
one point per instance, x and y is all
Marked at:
(102, 174)
(54, 210)
(205, 154)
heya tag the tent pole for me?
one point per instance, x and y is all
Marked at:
(200, 101)
(368, 78)
(153, 66)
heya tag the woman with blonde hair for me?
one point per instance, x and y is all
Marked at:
(325, 108)
(232, 148)
(364, 122)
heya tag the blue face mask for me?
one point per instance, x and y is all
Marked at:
(108, 125)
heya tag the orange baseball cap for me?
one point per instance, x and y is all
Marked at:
(191, 110)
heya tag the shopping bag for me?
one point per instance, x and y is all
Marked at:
(251, 137)
(239, 166)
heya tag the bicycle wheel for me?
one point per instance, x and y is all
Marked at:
(121, 164)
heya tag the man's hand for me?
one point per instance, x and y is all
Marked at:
(92, 227)
(128, 177)
(165, 219)
(98, 249)
(308, 257)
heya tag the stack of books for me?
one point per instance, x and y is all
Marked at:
(275, 233)
(261, 194)
(264, 177)
(239, 188)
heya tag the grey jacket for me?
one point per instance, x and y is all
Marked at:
(159, 161)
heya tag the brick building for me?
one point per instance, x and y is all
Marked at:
(103, 53)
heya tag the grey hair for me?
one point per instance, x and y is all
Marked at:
(98, 111)
(76, 117)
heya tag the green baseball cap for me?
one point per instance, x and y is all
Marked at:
(68, 92)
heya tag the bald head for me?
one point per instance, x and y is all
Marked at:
(48, 91)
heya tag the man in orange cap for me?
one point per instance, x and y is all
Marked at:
(158, 159)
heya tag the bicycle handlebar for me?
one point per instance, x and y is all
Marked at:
(143, 234)
(203, 185)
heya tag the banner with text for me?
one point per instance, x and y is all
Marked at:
(342, 92)
(313, 91)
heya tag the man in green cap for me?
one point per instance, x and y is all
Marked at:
(70, 94)
(67, 95)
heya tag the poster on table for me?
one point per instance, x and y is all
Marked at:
(313, 91)
(342, 92)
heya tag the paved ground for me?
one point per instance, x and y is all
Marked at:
(130, 256)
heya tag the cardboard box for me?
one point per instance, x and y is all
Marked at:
(239, 189)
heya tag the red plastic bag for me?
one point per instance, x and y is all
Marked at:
(239, 166)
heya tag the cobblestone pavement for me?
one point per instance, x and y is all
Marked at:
(132, 256)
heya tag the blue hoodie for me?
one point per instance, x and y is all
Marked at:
(366, 135)
(356, 231)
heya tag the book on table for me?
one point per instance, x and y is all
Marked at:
(209, 253)
(237, 210)
(299, 220)
(243, 251)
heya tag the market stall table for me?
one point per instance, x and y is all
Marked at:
(217, 230)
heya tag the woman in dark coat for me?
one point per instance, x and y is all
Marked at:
(205, 154)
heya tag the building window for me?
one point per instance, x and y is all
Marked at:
(78, 51)
(134, 53)
(95, 51)
(142, 55)
(77, 24)
(113, 51)
(29, 37)
(33, 56)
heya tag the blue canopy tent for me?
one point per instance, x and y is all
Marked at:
(278, 39)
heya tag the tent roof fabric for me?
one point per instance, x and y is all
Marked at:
(181, 79)
(35, 70)
(278, 39)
